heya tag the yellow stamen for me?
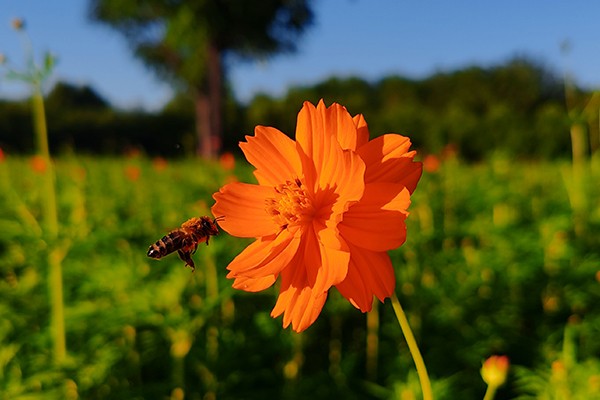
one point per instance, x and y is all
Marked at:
(291, 206)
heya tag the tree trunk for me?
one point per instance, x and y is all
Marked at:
(208, 99)
(203, 124)
(215, 89)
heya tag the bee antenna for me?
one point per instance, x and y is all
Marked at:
(219, 218)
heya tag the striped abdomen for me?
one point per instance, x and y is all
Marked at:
(169, 243)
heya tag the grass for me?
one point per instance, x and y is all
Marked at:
(501, 258)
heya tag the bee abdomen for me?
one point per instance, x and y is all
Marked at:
(168, 244)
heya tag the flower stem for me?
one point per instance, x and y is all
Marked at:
(51, 225)
(372, 348)
(212, 294)
(490, 392)
(413, 347)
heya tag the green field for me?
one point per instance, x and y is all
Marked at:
(502, 257)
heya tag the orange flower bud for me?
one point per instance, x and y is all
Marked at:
(38, 164)
(227, 161)
(559, 370)
(18, 24)
(494, 370)
(431, 163)
(159, 163)
(132, 173)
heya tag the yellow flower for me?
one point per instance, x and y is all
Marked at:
(327, 208)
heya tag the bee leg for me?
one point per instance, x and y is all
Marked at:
(185, 256)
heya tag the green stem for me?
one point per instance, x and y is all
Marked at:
(372, 348)
(41, 134)
(56, 305)
(55, 285)
(413, 347)
(490, 392)
(212, 294)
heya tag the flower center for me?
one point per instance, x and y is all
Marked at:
(291, 206)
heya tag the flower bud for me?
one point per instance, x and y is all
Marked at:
(18, 24)
(494, 370)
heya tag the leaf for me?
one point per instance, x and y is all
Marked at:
(49, 63)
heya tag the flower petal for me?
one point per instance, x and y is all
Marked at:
(326, 265)
(310, 132)
(388, 160)
(346, 176)
(362, 131)
(339, 122)
(310, 251)
(243, 206)
(266, 256)
(254, 284)
(377, 221)
(273, 154)
(319, 134)
(297, 301)
(369, 273)
(334, 268)
(313, 144)
(336, 184)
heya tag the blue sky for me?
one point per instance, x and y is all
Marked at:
(366, 38)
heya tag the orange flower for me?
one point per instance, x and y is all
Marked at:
(326, 210)
(431, 163)
(159, 164)
(132, 172)
(227, 161)
(38, 164)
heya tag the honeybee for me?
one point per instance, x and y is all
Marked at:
(185, 239)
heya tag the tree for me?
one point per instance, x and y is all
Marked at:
(188, 42)
(68, 96)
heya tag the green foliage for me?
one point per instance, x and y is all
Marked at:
(191, 43)
(65, 96)
(175, 38)
(566, 378)
(15, 127)
(492, 265)
(517, 108)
